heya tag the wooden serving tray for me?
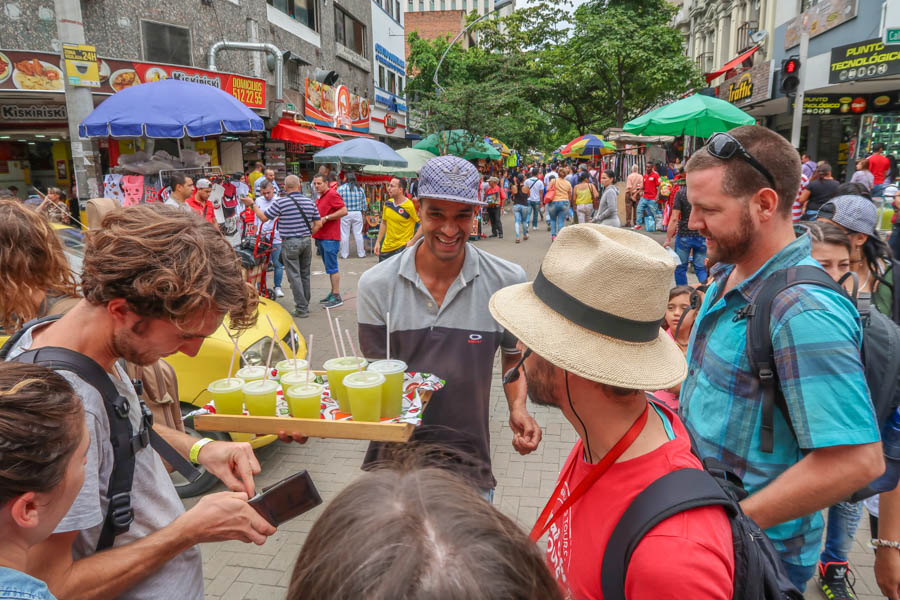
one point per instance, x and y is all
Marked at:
(322, 428)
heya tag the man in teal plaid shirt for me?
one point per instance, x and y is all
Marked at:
(741, 186)
(354, 197)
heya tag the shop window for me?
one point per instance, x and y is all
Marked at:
(397, 10)
(349, 32)
(399, 85)
(301, 10)
(166, 43)
(292, 69)
(392, 82)
(381, 81)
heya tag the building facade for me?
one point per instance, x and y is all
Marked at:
(141, 40)
(389, 108)
(480, 6)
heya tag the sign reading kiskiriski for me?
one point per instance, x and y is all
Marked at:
(863, 60)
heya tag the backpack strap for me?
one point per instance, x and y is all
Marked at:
(759, 341)
(669, 495)
(11, 342)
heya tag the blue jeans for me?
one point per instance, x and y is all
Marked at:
(535, 213)
(684, 248)
(329, 251)
(878, 190)
(276, 264)
(557, 212)
(799, 574)
(843, 519)
(521, 213)
(646, 205)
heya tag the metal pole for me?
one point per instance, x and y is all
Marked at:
(79, 104)
(450, 45)
(801, 87)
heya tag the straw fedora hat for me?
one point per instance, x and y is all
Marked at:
(596, 307)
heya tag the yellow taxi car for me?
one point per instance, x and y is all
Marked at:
(211, 362)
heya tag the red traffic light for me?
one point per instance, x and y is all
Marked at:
(791, 66)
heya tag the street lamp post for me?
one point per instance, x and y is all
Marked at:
(498, 5)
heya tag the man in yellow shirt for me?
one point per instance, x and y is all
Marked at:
(255, 174)
(398, 222)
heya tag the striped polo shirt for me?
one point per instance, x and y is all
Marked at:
(290, 221)
(456, 341)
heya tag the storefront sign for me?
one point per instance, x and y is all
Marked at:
(336, 107)
(33, 112)
(388, 59)
(41, 72)
(390, 123)
(844, 104)
(822, 16)
(863, 60)
(82, 67)
(749, 87)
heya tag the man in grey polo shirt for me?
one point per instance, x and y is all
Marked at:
(437, 295)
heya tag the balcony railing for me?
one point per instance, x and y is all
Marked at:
(744, 32)
(705, 62)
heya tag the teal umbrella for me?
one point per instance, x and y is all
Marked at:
(415, 158)
(359, 152)
(458, 142)
(697, 115)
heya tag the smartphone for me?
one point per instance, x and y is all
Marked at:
(289, 498)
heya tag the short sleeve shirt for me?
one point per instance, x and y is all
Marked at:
(536, 187)
(265, 228)
(399, 224)
(328, 203)
(682, 203)
(816, 336)
(456, 341)
(290, 222)
(651, 185)
(16, 585)
(207, 211)
(155, 501)
(820, 192)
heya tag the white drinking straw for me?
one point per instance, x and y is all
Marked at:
(388, 327)
(337, 350)
(294, 346)
(308, 357)
(234, 354)
(353, 349)
(234, 339)
(337, 325)
(269, 359)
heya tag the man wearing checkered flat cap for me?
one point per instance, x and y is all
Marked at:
(592, 344)
(437, 296)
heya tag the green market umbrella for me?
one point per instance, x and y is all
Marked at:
(415, 158)
(458, 142)
(697, 115)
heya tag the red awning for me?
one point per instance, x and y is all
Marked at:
(342, 131)
(289, 131)
(731, 64)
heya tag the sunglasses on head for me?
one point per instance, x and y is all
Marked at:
(512, 375)
(724, 147)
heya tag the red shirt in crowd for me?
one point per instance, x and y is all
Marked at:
(879, 166)
(328, 203)
(651, 185)
(206, 211)
(689, 555)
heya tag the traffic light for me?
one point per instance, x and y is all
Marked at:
(790, 75)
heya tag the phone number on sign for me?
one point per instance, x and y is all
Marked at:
(248, 91)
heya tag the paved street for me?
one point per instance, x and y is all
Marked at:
(234, 570)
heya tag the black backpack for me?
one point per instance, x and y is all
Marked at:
(758, 572)
(125, 444)
(880, 353)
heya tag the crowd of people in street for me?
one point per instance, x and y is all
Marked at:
(666, 385)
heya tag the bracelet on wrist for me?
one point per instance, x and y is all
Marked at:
(195, 449)
(879, 543)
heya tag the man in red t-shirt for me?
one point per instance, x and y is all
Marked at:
(328, 239)
(879, 165)
(647, 206)
(200, 203)
(592, 359)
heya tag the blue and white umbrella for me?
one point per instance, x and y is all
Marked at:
(170, 109)
(360, 152)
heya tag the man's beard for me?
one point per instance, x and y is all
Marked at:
(127, 344)
(730, 248)
(539, 390)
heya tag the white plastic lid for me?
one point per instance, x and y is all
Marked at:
(251, 371)
(305, 389)
(224, 386)
(345, 362)
(388, 367)
(260, 387)
(290, 378)
(363, 379)
(288, 364)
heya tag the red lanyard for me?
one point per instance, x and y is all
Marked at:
(545, 521)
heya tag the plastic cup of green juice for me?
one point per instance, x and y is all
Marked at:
(228, 395)
(337, 369)
(304, 400)
(363, 390)
(260, 396)
(290, 365)
(251, 373)
(392, 391)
